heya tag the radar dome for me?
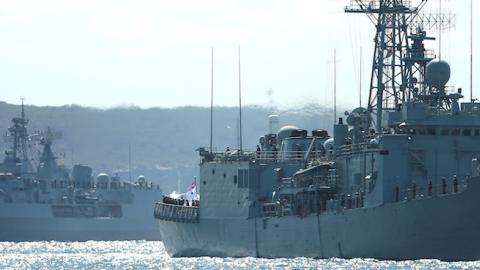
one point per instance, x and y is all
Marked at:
(141, 179)
(289, 128)
(103, 177)
(285, 132)
(438, 74)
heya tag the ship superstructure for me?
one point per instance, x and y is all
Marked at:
(399, 179)
(42, 200)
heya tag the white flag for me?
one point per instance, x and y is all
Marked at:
(192, 193)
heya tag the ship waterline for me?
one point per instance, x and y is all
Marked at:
(445, 227)
(35, 222)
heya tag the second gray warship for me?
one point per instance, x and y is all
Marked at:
(399, 179)
(41, 201)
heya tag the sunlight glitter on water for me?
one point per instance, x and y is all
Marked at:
(152, 255)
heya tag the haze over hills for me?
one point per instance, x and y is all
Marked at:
(162, 141)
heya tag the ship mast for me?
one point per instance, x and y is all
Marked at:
(129, 163)
(47, 162)
(471, 50)
(20, 137)
(391, 79)
(211, 102)
(240, 102)
(360, 81)
(334, 86)
(19, 151)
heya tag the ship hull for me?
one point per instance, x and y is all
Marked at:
(34, 222)
(444, 227)
(74, 229)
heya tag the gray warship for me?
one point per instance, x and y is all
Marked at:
(398, 180)
(41, 200)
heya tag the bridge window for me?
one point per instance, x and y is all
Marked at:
(421, 131)
(477, 132)
(431, 131)
(235, 179)
(456, 132)
(467, 132)
(445, 132)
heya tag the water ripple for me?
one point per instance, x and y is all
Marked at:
(152, 255)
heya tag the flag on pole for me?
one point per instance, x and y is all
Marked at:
(192, 193)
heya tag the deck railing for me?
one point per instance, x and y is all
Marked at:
(267, 156)
(177, 213)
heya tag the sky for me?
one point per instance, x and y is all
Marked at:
(157, 53)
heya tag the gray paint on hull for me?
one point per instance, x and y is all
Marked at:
(444, 227)
(75, 229)
(35, 222)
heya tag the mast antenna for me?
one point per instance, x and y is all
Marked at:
(360, 80)
(129, 163)
(440, 29)
(23, 108)
(471, 50)
(334, 85)
(211, 102)
(240, 100)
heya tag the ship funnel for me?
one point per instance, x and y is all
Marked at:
(273, 124)
(81, 173)
(340, 133)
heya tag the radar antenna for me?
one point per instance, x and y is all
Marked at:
(18, 131)
(18, 153)
(391, 79)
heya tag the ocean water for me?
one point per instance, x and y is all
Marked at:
(152, 255)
